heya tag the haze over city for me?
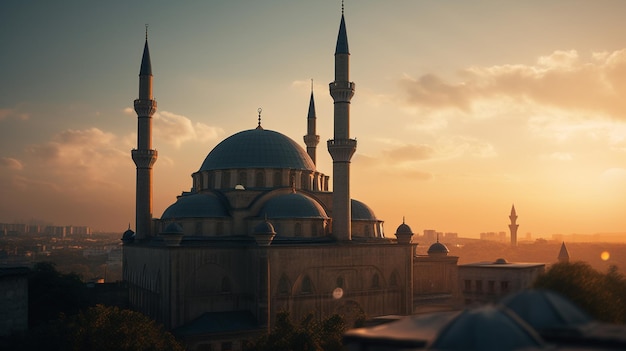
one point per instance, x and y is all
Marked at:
(462, 108)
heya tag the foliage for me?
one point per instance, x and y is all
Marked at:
(602, 296)
(51, 293)
(309, 335)
(97, 328)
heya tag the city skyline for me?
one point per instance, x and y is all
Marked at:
(461, 110)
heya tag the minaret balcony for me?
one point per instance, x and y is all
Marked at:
(341, 150)
(311, 140)
(145, 108)
(342, 91)
(144, 158)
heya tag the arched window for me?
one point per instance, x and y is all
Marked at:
(225, 179)
(393, 281)
(260, 179)
(241, 179)
(305, 181)
(211, 181)
(366, 231)
(283, 286)
(339, 282)
(375, 281)
(278, 178)
(219, 228)
(314, 229)
(307, 285)
(297, 230)
(226, 288)
(198, 230)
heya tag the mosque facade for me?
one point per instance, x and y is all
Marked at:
(260, 232)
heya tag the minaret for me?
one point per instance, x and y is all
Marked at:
(341, 148)
(311, 139)
(563, 254)
(513, 226)
(144, 156)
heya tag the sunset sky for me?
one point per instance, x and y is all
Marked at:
(462, 108)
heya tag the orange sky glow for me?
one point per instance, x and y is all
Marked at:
(461, 108)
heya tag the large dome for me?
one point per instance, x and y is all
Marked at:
(198, 205)
(257, 148)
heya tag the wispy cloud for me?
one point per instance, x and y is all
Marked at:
(13, 113)
(560, 80)
(11, 163)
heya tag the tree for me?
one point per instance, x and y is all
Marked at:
(51, 293)
(600, 295)
(309, 335)
(98, 328)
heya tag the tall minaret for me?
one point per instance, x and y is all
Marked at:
(513, 226)
(311, 139)
(341, 148)
(144, 156)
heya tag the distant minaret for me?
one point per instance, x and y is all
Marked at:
(341, 148)
(144, 156)
(563, 254)
(311, 139)
(513, 226)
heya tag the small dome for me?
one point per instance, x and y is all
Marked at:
(264, 227)
(404, 229)
(438, 248)
(293, 205)
(258, 148)
(361, 211)
(501, 261)
(128, 235)
(173, 229)
(197, 205)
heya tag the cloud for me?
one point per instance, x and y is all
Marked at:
(409, 152)
(11, 163)
(177, 129)
(560, 80)
(559, 156)
(13, 113)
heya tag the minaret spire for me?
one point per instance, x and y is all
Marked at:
(311, 139)
(513, 226)
(144, 156)
(341, 148)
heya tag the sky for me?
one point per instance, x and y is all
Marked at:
(462, 108)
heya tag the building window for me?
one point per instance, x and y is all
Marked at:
(479, 286)
(375, 281)
(297, 230)
(314, 229)
(305, 181)
(339, 282)
(307, 285)
(504, 286)
(468, 285)
(491, 287)
(198, 228)
(225, 179)
(278, 178)
(211, 181)
(393, 281)
(241, 179)
(226, 288)
(260, 179)
(366, 231)
(283, 286)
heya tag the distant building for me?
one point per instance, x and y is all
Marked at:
(563, 256)
(493, 236)
(483, 282)
(435, 280)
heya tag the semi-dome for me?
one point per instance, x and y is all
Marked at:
(258, 148)
(293, 205)
(198, 205)
(361, 211)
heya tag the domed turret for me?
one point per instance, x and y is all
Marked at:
(438, 249)
(404, 233)
(128, 236)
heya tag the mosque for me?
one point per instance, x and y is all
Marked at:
(260, 232)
